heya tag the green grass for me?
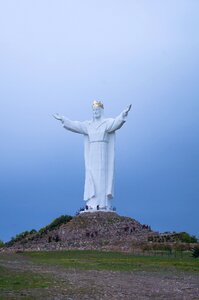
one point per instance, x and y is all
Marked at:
(17, 280)
(97, 260)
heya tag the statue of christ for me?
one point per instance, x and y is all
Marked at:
(99, 154)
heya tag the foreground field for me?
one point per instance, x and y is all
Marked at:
(97, 275)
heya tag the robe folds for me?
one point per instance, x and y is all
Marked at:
(99, 156)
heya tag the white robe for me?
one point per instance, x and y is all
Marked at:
(99, 154)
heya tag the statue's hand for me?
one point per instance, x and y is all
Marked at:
(126, 111)
(58, 117)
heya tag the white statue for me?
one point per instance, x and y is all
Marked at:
(99, 136)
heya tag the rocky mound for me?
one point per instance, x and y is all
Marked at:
(100, 230)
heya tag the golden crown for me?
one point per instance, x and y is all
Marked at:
(97, 104)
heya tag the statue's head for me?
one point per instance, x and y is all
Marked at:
(98, 109)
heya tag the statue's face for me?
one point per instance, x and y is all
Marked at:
(97, 112)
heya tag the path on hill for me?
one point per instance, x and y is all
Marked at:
(105, 285)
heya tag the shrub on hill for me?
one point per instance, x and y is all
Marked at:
(195, 252)
(30, 234)
(184, 237)
(1, 244)
(22, 235)
(56, 223)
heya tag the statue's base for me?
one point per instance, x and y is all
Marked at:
(94, 210)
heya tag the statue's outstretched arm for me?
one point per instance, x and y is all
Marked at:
(75, 126)
(117, 123)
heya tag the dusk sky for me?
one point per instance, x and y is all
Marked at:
(57, 57)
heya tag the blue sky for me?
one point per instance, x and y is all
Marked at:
(57, 56)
